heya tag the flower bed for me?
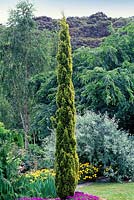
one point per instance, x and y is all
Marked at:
(41, 174)
(77, 196)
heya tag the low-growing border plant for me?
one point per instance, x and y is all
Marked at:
(87, 172)
(39, 183)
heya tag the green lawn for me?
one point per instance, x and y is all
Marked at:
(110, 191)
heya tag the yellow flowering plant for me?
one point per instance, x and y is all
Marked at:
(37, 183)
(87, 172)
(41, 174)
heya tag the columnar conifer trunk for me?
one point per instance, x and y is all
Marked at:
(66, 156)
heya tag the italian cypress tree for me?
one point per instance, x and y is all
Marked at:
(66, 156)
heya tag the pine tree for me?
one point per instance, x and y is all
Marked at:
(66, 156)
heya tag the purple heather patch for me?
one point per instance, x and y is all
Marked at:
(77, 196)
(83, 196)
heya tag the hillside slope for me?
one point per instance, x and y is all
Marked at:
(85, 31)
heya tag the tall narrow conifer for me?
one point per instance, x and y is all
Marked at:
(66, 156)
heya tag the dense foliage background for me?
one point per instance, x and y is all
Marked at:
(103, 76)
(103, 79)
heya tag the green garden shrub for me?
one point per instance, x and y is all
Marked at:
(10, 153)
(100, 142)
(43, 156)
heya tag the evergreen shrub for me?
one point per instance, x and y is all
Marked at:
(66, 155)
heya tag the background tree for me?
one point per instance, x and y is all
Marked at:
(18, 61)
(105, 72)
(44, 90)
(112, 92)
(104, 77)
(66, 156)
(25, 51)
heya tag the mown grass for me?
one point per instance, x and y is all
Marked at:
(110, 191)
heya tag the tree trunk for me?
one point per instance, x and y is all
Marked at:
(25, 123)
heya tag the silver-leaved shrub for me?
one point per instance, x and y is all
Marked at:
(100, 142)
